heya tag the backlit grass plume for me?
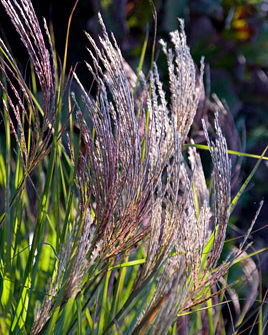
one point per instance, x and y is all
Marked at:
(126, 236)
(35, 122)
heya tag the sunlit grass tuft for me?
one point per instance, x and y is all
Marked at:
(113, 229)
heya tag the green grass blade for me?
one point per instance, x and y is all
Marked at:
(79, 316)
(249, 255)
(104, 308)
(210, 314)
(141, 61)
(239, 193)
(231, 152)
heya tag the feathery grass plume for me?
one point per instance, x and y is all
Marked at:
(183, 279)
(34, 122)
(135, 186)
(128, 188)
(35, 131)
(186, 277)
(185, 85)
(118, 176)
(26, 23)
(113, 170)
(222, 189)
(112, 176)
(166, 132)
(42, 313)
(70, 271)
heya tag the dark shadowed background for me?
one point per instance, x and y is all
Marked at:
(233, 37)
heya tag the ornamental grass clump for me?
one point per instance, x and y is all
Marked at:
(126, 235)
